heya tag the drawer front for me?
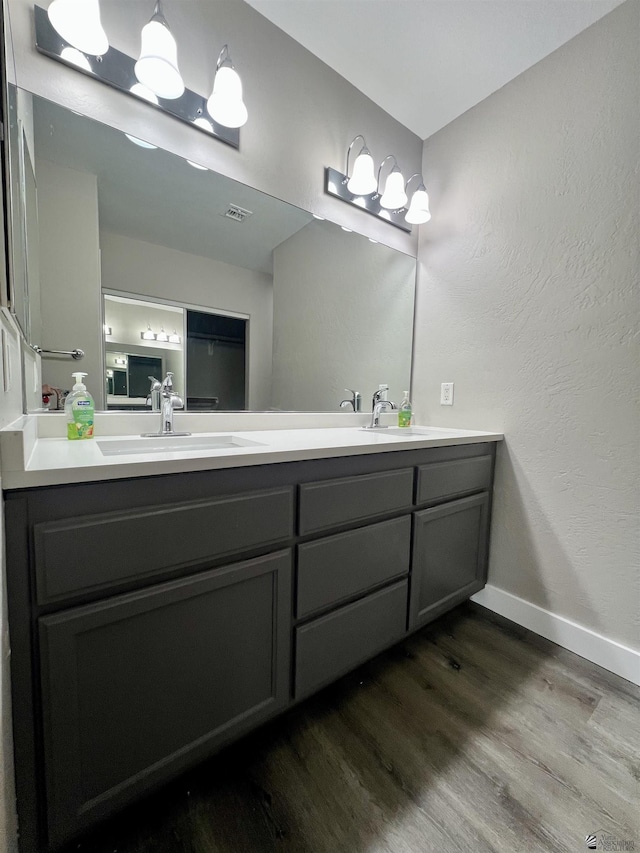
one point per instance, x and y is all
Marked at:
(334, 644)
(336, 568)
(442, 480)
(333, 503)
(99, 551)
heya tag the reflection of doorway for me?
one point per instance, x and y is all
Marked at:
(216, 362)
(141, 367)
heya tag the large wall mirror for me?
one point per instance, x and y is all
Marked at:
(150, 263)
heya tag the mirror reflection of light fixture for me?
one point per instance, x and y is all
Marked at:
(197, 166)
(106, 329)
(79, 24)
(162, 336)
(174, 338)
(394, 197)
(140, 142)
(157, 67)
(225, 104)
(363, 179)
(418, 212)
(148, 335)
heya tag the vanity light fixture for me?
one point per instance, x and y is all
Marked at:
(175, 338)
(225, 104)
(157, 67)
(418, 212)
(70, 32)
(148, 335)
(388, 203)
(363, 179)
(79, 24)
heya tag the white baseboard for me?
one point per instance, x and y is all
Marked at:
(609, 654)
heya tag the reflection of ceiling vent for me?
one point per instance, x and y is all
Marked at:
(238, 214)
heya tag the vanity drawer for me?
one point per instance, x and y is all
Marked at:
(336, 568)
(99, 551)
(334, 503)
(439, 481)
(334, 644)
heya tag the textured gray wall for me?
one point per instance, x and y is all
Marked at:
(528, 300)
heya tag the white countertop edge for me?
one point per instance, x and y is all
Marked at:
(55, 461)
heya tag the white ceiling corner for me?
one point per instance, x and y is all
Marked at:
(426, 62)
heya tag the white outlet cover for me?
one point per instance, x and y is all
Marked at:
(446, 394)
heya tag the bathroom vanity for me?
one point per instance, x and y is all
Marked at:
(155, 619)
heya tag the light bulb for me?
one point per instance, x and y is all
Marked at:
(75, 57)
(157, 67)
(174, 338)
(363, 179)
(418, 212)
(162, 336)
(148, 335)
(225, 104)
(203, 124)
(78, 22)
(394, 196)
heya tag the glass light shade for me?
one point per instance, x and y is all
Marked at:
(106, 329)
(174, 338)
(75, 57)
(197, 166)
(143, 92)
(363, 179)
(203, 124)
(157, 68)
(162, 336)
(78, 22)
(225, 105)
(394, 196)
(418, 212)
(148, 335)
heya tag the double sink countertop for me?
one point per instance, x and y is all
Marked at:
(34, 451)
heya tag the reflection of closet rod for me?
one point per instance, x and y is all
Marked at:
(74, 353)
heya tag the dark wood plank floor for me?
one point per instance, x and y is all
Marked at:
(473, 735)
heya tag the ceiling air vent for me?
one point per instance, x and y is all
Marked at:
(238, 214)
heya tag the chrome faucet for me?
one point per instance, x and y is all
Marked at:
(378, 407)
(169, 401)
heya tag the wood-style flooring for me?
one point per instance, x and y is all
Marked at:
(473, 735)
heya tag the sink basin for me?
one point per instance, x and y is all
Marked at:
(173, 444)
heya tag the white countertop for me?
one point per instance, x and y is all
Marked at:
(32, 456)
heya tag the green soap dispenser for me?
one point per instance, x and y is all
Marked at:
(79, 410)
(405, 412)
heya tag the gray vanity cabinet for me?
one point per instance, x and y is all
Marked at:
(139, 686)
(155, 619)
(449, 556)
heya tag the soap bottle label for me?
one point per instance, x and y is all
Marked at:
(81, 423)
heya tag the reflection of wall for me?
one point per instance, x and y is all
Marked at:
(70, 275)
(149, 270)
(343, 311)
(528, 300)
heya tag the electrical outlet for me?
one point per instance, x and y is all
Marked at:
(446, 394)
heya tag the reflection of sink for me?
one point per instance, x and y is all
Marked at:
(173, 444)
(406, 432)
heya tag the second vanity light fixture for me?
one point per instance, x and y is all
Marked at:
(388, 197)
(71, 32)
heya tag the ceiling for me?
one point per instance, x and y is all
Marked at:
(157, 197)
(426, 62)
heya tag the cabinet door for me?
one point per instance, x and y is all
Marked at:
(449, 556)
(139, 687)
